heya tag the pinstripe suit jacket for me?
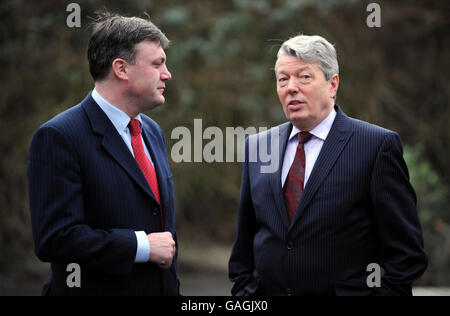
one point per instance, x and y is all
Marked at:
(88, 196)
(357, 208)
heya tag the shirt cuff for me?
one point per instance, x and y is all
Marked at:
(143, 247)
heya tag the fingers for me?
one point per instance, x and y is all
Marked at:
(162, 249)
(167, 264)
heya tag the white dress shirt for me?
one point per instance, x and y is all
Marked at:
(120, 120)
(312, 147)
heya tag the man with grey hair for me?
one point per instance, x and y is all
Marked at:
(339, 208)
(100, 186)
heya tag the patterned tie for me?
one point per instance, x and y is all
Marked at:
(142, 159)
(293, 187)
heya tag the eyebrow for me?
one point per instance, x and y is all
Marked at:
(160, 59)
(297, 70)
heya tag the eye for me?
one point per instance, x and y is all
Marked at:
(305, 76)
(282, 79)
(158, 62)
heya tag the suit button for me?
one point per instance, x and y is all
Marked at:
(290, 246)
(288, 292)
(156, 211)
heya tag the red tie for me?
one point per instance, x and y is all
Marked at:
(293, 187)
(142, 159)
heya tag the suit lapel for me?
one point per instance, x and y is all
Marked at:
(335, 142)
(113, 143)
(275, 178)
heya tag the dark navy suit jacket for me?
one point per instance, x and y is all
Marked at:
(88, 196)
(357, 208)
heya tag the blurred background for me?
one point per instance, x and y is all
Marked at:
(222, 57)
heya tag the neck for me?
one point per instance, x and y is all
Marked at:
(116, 96)
(310, 125)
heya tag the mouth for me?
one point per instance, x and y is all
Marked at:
(295, 105)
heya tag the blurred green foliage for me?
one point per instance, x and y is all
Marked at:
(432, 200)
(222, 57)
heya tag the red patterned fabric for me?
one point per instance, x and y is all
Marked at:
(293, 186)
(142, 159)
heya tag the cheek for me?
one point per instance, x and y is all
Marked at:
(150, 76)
(313, 93)
(281, 95)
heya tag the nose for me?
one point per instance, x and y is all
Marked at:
(165, 74)
(292, 87)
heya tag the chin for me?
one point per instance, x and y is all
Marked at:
(297, 117)
(302, 123)
(157, 101)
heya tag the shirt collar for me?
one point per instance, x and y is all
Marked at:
(118, 117)
(321, 130)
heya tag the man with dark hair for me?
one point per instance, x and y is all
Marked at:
(101, 191)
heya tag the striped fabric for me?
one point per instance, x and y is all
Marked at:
(88, 196)
(358, 207)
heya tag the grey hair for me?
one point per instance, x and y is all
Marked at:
(311, 49)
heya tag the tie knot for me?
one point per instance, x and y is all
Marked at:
(135, 127)
(304, 137)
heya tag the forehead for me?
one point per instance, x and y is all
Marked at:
(288, 64)
(148, 49)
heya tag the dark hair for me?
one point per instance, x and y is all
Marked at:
(114, 36)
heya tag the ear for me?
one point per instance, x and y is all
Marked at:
(334, 85)
(120, 69)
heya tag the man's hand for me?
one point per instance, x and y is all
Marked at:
(162, 249)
